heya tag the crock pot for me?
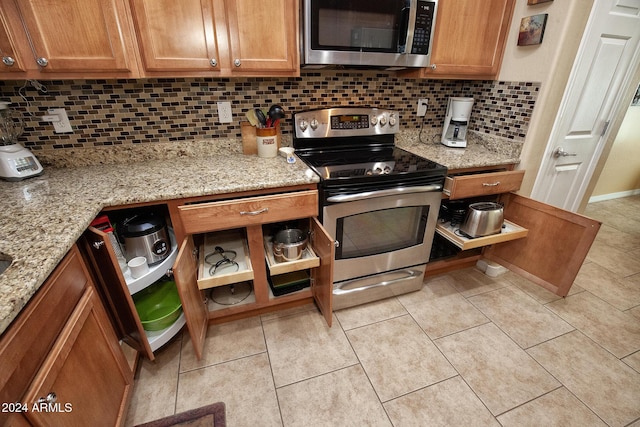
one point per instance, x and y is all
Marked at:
(146, 235)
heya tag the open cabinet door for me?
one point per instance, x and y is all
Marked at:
(113, 288)
(322, 276)
(555, 248)
(185, 274)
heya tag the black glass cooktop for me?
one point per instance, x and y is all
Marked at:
(370, 162)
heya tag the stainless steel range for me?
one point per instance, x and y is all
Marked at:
(379, 202)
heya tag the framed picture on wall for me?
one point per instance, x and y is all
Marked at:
(532, 29)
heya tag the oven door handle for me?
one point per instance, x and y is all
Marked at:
(380, 193)
(410, 274)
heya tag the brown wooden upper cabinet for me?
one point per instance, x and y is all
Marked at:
(228, 38)
(469, 39)
(69, 38)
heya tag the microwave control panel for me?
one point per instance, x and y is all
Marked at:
(422, 31)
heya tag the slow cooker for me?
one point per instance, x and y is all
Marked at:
(146, 235)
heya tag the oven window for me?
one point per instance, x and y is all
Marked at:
(381, 231)
(351, 25)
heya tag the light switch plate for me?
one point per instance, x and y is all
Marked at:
(224, 112)
(63, 125)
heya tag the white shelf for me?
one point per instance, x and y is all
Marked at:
(156, 272)
(159, 338)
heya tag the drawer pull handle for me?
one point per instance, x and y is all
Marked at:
(258, 212)
(495, 184)
(51, 398)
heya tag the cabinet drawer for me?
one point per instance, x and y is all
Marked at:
(510, 232)
(213, 216)
(28, 340)
(462, 186)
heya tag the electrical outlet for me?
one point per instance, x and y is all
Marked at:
(62, 124)
(422, 107)
(224, 112)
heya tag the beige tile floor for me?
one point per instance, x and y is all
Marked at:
(466, 350)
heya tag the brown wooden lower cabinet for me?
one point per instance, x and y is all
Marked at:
(545, 244)
(61, 359)
(251, 218)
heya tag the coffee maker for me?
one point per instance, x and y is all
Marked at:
(454, 130)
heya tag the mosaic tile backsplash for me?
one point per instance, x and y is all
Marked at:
(119, 112)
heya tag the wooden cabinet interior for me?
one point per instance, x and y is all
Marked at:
(250, 214)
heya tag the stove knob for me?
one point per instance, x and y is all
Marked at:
(392, 120)
(303, 125)
(369, 172)
(387, 170)
(378, 170)
(314, 124)
(383, 120)
(374, 120)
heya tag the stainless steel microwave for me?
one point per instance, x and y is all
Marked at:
(380, 33)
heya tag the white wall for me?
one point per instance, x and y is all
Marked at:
(621, 172)
(548, 63)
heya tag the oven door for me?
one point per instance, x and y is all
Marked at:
(362, 32)
(377, 234)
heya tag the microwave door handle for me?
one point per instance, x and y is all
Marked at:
(407, 26)
(341, 198)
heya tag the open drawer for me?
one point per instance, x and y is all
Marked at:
(223, 259)
(509, 232)
(482, 184)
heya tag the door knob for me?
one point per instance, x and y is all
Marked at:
(561, 153)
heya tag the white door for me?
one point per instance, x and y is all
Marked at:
(608, 55)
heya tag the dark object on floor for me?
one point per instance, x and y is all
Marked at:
(207, 416)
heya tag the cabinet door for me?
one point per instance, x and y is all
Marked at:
(11, 62)
(322, 276)
(113, 286)
(185, 273)
(263, 36)
(176, 35)
(78, 35)
(85, 380)
(555, 248)
(469, 38)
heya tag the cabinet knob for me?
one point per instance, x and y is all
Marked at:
(432, 66)
(51, 398)
(98, 244)
(236, 62)
(8, 61)
(43, 62)
(213, 62)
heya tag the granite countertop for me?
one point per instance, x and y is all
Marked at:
(42, 217)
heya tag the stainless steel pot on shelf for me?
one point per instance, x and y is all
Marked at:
(289, 244)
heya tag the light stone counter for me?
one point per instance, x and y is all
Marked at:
(42, 217)
(482, 150)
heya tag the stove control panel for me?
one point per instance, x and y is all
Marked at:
(345, 121)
